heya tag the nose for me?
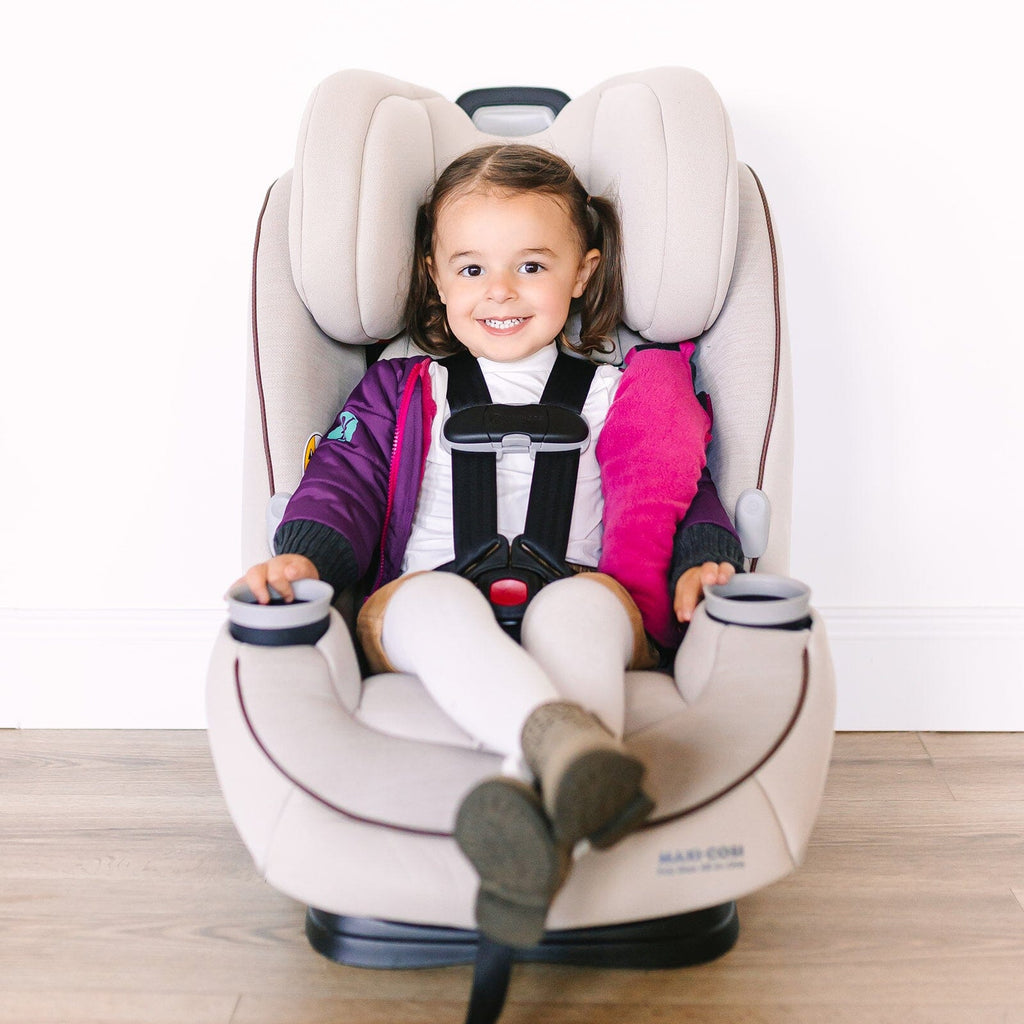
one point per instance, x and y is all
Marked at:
(501, 286)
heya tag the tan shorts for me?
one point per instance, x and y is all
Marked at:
(370, 623)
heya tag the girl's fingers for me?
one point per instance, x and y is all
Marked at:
(690, 588)
(278, 573)
(256, 579)
(281, 580)
(687, 595)
(716, 573)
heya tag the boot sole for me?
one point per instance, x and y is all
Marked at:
(600, 798)
(502, 829)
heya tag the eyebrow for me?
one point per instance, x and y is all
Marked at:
(474, 254)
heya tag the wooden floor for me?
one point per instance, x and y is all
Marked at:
(125, 896)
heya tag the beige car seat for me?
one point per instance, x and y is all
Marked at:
(345, 789)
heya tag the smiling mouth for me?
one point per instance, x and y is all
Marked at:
(505, 325)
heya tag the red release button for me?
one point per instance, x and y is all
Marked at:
(508, 592)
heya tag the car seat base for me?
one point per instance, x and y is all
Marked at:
(678, 941)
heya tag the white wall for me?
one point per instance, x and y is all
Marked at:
(140, 141)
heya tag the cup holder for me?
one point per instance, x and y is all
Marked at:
(281, 623)
(751, 599)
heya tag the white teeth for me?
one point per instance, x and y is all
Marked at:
(504, 325)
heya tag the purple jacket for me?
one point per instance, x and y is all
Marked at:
(364, 478)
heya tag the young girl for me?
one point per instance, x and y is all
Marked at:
(507, 245)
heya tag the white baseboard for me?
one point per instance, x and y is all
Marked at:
(119, 669)
(928, 669)
(896, 668)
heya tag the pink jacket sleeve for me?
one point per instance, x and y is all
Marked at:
(651, 453)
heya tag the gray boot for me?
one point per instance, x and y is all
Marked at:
(502, 829)
(590, 785)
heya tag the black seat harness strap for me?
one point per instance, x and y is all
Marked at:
(554, 473)
(555, 433)
(474, 474)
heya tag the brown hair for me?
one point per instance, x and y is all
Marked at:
(514, 168)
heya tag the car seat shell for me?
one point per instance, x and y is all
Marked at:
(344, 790)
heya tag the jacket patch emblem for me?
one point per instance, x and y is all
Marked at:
(311, 444)
(345, 429)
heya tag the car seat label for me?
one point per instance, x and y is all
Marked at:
(695, 860)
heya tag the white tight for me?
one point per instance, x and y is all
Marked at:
(577, 640)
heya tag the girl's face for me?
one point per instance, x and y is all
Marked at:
(506, 267)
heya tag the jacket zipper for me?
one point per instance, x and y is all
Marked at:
(396, 446)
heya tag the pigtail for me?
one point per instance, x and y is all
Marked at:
(424, 312)
(600, 306)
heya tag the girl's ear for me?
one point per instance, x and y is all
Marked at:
(587, 267)
(433, 277)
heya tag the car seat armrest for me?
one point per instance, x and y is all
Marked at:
(339, 653)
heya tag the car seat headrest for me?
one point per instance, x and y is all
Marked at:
(371, 147)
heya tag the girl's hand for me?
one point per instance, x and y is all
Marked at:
(690, 588)
(279, 572)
